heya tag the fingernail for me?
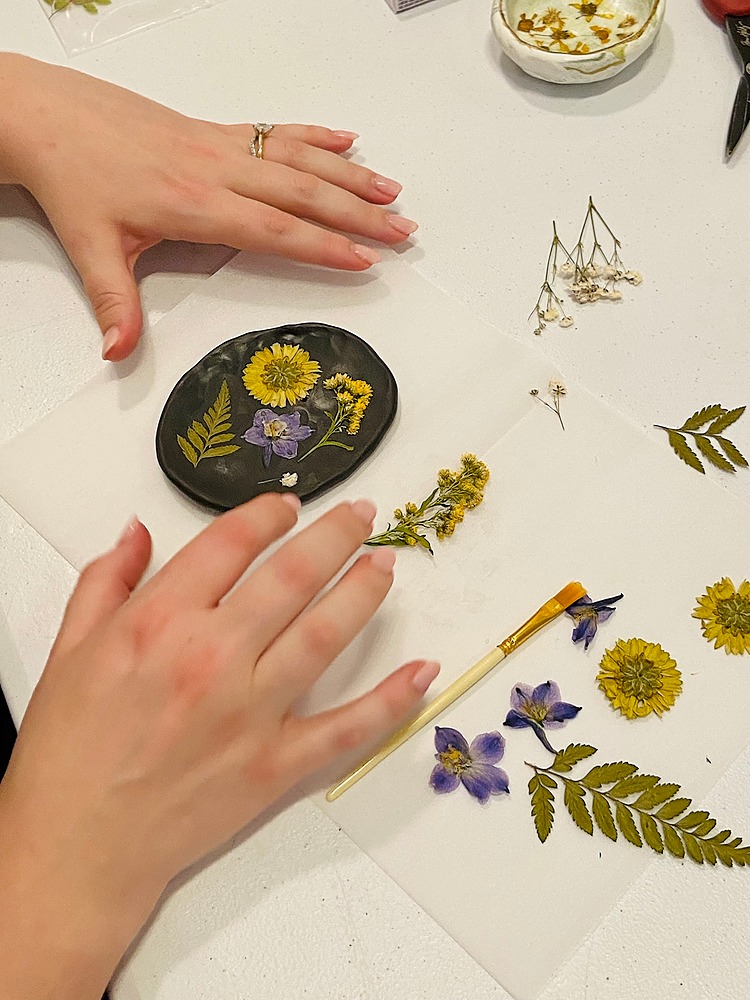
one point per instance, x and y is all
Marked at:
(425, 675)
(383, 559)
(365, 510)
(351, 136)
(367, 254)
(293, 501)
(110, 341)
(404, 226)
(386, 186)
(129, 529)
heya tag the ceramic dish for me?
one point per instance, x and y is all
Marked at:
(580, 42)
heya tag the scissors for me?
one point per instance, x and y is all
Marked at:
(735, 14)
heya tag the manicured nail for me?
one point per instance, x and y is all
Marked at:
(425, 675)
(351, 136)
(365, 510)
(292, 500)
(386, 186)
(110, 341)
(383, 559)
(367, 254)
(131, 527)
(404, 226)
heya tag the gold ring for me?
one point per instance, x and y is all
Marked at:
(261, 130)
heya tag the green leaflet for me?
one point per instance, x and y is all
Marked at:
(90, 6)
(209, 439)
(650, 816)
(705, 438)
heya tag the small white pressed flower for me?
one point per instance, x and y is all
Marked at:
(566, 321)
(567, 270)
(550, 315)
(289, 479)
(557, 388)
(634, 277)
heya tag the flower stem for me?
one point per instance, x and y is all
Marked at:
(336, 423)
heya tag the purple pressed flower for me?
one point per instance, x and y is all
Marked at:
(587, 614)
(472, 766)
(277, 433)
(539, 708)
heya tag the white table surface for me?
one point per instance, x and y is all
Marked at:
(487, 158)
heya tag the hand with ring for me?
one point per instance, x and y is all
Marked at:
(117, 173)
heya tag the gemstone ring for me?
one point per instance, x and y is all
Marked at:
(261, 130)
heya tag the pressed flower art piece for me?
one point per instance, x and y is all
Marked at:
(294, 407)
(706, 429)
(538, 709)
(441, 511)
(639, 677)
(724, 614)
(588, 272)
(587, 615)
(472, 765)
(620, 801)
(578, 28)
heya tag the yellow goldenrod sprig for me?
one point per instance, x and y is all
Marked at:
(353, 397)
(442, 510)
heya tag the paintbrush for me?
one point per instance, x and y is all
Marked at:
(547, 613)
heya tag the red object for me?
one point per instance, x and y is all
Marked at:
(719, 9)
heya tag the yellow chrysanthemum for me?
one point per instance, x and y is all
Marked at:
(639, 677)
(724, 612)
(281, 374)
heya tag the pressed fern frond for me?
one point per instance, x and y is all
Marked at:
(209, 439)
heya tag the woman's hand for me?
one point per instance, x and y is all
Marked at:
(116, 173)
(164, 722)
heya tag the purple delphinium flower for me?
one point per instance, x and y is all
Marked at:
(472, 766)
(277, 433)
(539, 708)
(587, 614)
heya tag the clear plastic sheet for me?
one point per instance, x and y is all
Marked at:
(85, 24)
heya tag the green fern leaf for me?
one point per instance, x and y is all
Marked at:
(565, 760)
(651, 833)
(708, 851)
(693, 848)
(225, 449)
(655, 796)
(576, 806)
(188, 451)
(701, 417)
(630, 786)
(603, 774)
(713, 454)
(703, 829)
(692, 820)
(732, 452)
(724, 420)
(603, 816)
(210, 441)
(672, 841)
(627, 826)
(683, 450)
(542, 808)
(673, 808)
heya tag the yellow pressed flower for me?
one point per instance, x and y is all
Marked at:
(724, 613)
(281, 374)
(639, 677)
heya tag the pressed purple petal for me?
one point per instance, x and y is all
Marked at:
(255, 435)
(446, 737)
(546, 694)
(605, 613)
(285, 448)
(517, 720)
(559, 714)
(443, 780)
(581, 629)
(292, 420)
(483, 780)
(267, 452)
(520, 695)
(578, 606)
(487, 748)
(301, 433)
(590, 630)
(264, 416)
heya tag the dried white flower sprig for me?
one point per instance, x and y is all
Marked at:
(556, 390)
(592, 273)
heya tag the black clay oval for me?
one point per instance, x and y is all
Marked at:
(221, 445)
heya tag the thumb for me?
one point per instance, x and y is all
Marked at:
(111, 288)
(104, 585)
